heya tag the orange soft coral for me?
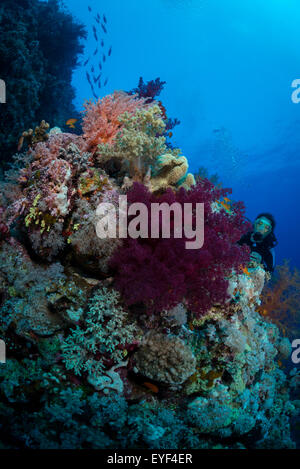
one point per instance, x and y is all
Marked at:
(280, 301)
(101, 119)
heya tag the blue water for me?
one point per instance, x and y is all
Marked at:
(229, 66)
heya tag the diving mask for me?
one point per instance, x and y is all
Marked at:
(262, 226)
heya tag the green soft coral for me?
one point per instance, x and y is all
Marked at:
(105, 328)
(139, 143)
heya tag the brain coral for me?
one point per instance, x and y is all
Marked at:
(165, 358)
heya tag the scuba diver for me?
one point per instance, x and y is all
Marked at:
(262, 241)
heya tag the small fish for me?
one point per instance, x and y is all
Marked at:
(104, 58)
(100, 65)
(88, 78)
(151, 386)
(70, 123)
(86, 62)
(226, 206)
(170, 134)
(98, 77)
(102, 43)
(106, 81)
(226, 199)
(20, 143)
(95, 33)
(97, 19)
(104, 28)
(96, 52)
(246, 271)
(92, 69)
(89, 8)
(104, 19)
(93, 91)
(109, 52)
(99, 84)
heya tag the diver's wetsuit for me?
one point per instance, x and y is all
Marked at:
(264, 248)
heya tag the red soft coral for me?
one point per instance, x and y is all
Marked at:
(162, 272)
(101, 119)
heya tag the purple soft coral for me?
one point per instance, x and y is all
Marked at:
(162, 272)
(149, 90)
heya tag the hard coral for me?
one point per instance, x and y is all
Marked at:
(109, 381)
(238, 384)
(26, 305)
(191, 327)
(171, 171)
(165, 358)
(91, 252)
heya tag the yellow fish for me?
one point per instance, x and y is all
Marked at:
(71, 123)
(226, 206)
(20, 143)
(151, 386)
(246, 271)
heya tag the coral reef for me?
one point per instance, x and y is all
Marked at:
(171, 171)
(281, 298)
(161, 272)
(104, 330)
(32, 137)
(164, 358)
(131, 343)
(150, 91)
(40, 44)
(101, 122)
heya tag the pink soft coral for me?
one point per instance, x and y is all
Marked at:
(48, 176)
(101, 120)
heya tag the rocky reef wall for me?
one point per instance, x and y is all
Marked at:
(130, 343)
(40, 45)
